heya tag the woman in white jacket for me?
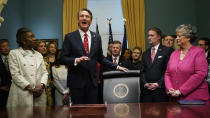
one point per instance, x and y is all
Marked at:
(29, 75)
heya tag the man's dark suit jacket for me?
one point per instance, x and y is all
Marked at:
(122, 62)
(208, 57)
(5, 80)
(154, 72)
(73, 48)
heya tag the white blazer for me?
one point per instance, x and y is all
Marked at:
(26, 67)
(60, 83)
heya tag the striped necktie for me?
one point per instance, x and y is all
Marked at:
(153, 54)
(85, 43)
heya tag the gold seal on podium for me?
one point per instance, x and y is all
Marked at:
(120, 90)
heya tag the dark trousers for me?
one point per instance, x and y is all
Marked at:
(157, 95)
(100, 93)
(3, 98)
(86, 95)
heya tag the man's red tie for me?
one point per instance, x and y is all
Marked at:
(153, 54)
(115, 60)
(85, 43)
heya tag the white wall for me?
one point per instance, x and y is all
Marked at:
(103, 9)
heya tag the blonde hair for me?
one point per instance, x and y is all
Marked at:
(54, 43)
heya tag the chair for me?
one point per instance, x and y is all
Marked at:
(121, 87)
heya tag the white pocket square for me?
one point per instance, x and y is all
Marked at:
(159, 57)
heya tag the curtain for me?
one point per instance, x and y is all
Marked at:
(134, 13)
(70, 14)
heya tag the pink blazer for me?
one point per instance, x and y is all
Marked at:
(188, 75)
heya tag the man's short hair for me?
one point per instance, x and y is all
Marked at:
(21, 35)
(157, 30)
(116, 42)
(85, 9)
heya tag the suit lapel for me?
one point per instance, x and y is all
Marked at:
(157, 54)
(149, 57)
(79, 42)
(93, 43)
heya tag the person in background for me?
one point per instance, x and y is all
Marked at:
(109, 50)
(187, 68)
(127, 54)
(5, 76)
(29, 75)
(116, 58)
(204, 43)
(59, 73)
(41, 47)
(81, 52)
(51, 51)
(168, 41)
(136, 58)
(154, 62)
(49, 62)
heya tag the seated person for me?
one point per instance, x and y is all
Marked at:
(116, 58)
(136, 58)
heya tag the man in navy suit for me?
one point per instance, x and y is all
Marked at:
(154, 63)
(116, 58)
(5, 77)
(82, 49)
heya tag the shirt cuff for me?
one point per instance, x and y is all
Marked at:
(75, 63)
(118, 67)
(66, 91)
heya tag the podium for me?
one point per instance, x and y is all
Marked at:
(121, 87)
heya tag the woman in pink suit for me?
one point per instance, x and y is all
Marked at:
(187, 68)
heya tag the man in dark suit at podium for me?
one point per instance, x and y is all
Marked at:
(5, 77)
(82, 49)
(154, 61)
(116, 58)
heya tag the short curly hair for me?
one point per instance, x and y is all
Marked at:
(21, 35)
(188, 31)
